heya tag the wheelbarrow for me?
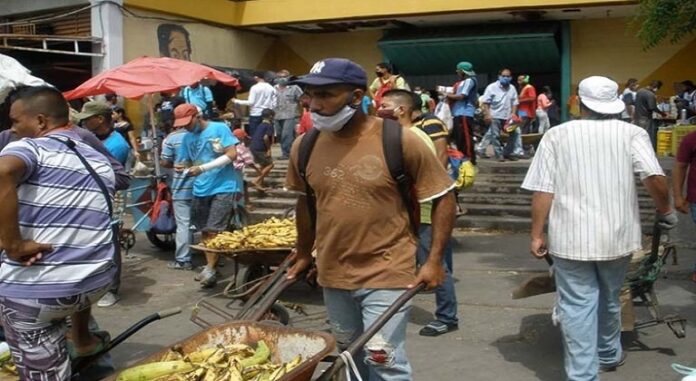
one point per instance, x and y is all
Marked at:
(638, 288)
(259, 295)
(285, 344)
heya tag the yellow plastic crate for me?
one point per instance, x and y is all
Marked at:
(678, 133)
(664, 142)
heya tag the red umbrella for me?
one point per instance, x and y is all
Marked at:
(147, 75)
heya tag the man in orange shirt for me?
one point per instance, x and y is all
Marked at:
(528, 99)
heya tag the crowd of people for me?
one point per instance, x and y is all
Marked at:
(371, 164)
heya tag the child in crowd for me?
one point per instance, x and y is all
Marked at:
(261, 140)
(244, 159)
(306, 119)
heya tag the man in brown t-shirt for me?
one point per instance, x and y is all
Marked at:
(365, 246)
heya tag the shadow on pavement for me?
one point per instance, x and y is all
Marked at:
(631, 343)
(537, 347)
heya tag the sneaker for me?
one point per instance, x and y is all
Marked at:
(176, 265)
(200, 274)
(437, 328)
(511, 158)
(208, 278)
(612, 367)
(108, 300)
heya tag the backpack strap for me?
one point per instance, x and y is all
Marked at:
(392, 145)
(305, 151)
(97, 179)
(100, 183)
(393, 155)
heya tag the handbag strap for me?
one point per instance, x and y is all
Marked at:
(104, 190)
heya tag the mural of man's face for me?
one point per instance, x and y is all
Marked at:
(177, 46)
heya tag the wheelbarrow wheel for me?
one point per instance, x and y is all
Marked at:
(126, 239)
(161, 241)
(277, 314)
(247, 274)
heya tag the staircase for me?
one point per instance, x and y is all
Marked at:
(495, 202)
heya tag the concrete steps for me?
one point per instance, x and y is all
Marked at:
(495, 202)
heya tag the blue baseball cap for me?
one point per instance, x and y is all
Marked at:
(334, 71)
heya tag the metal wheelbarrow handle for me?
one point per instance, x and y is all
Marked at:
(360, 342)
(81, 363)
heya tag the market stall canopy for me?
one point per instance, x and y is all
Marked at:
(13, 75)
(527, 47)
(147, 75)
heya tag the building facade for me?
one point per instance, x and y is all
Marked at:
(556, 42)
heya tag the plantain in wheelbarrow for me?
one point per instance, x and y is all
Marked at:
(251, 350)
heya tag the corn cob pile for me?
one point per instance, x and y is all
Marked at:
(271, 233)
(236, 362)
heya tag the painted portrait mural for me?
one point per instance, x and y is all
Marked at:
(174, 41)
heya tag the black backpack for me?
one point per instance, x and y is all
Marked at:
(393, 155)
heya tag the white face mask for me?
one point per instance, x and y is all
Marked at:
(335, 122)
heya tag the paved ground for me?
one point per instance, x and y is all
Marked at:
(498, 338)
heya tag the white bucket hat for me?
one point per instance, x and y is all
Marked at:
(601, 94)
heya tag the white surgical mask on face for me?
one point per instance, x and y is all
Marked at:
(335, 122)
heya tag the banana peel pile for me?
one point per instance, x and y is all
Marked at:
(272, 233)
(236, 362)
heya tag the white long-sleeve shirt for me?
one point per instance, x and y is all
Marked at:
(260, 97)
(589, 166)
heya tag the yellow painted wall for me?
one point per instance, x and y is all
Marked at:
(211, 45)
(360, 47)
(265, 12)
(607, 47)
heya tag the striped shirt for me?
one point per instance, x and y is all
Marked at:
(182, 185)
(61, 204)
(431, 125)
(589, 167)
(244, 157)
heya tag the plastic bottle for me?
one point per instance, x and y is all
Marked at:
(682, 117)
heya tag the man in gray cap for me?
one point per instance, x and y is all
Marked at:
(96, 116)
(360, 226)
(583, 175)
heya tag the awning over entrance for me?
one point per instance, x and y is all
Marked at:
(529, 48)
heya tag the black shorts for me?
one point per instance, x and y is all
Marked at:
(212, 214)
(262, 158)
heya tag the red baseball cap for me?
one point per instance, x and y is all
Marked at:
(184, 113)
(240, 134)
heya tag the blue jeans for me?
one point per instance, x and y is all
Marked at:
(182, 213)
(351, 312)
(589, 311)
(445, 297)
(693, 211)
(285, 128)
(492, 136)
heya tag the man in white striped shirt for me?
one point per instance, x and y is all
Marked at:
(583, 175)
(58, 243)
